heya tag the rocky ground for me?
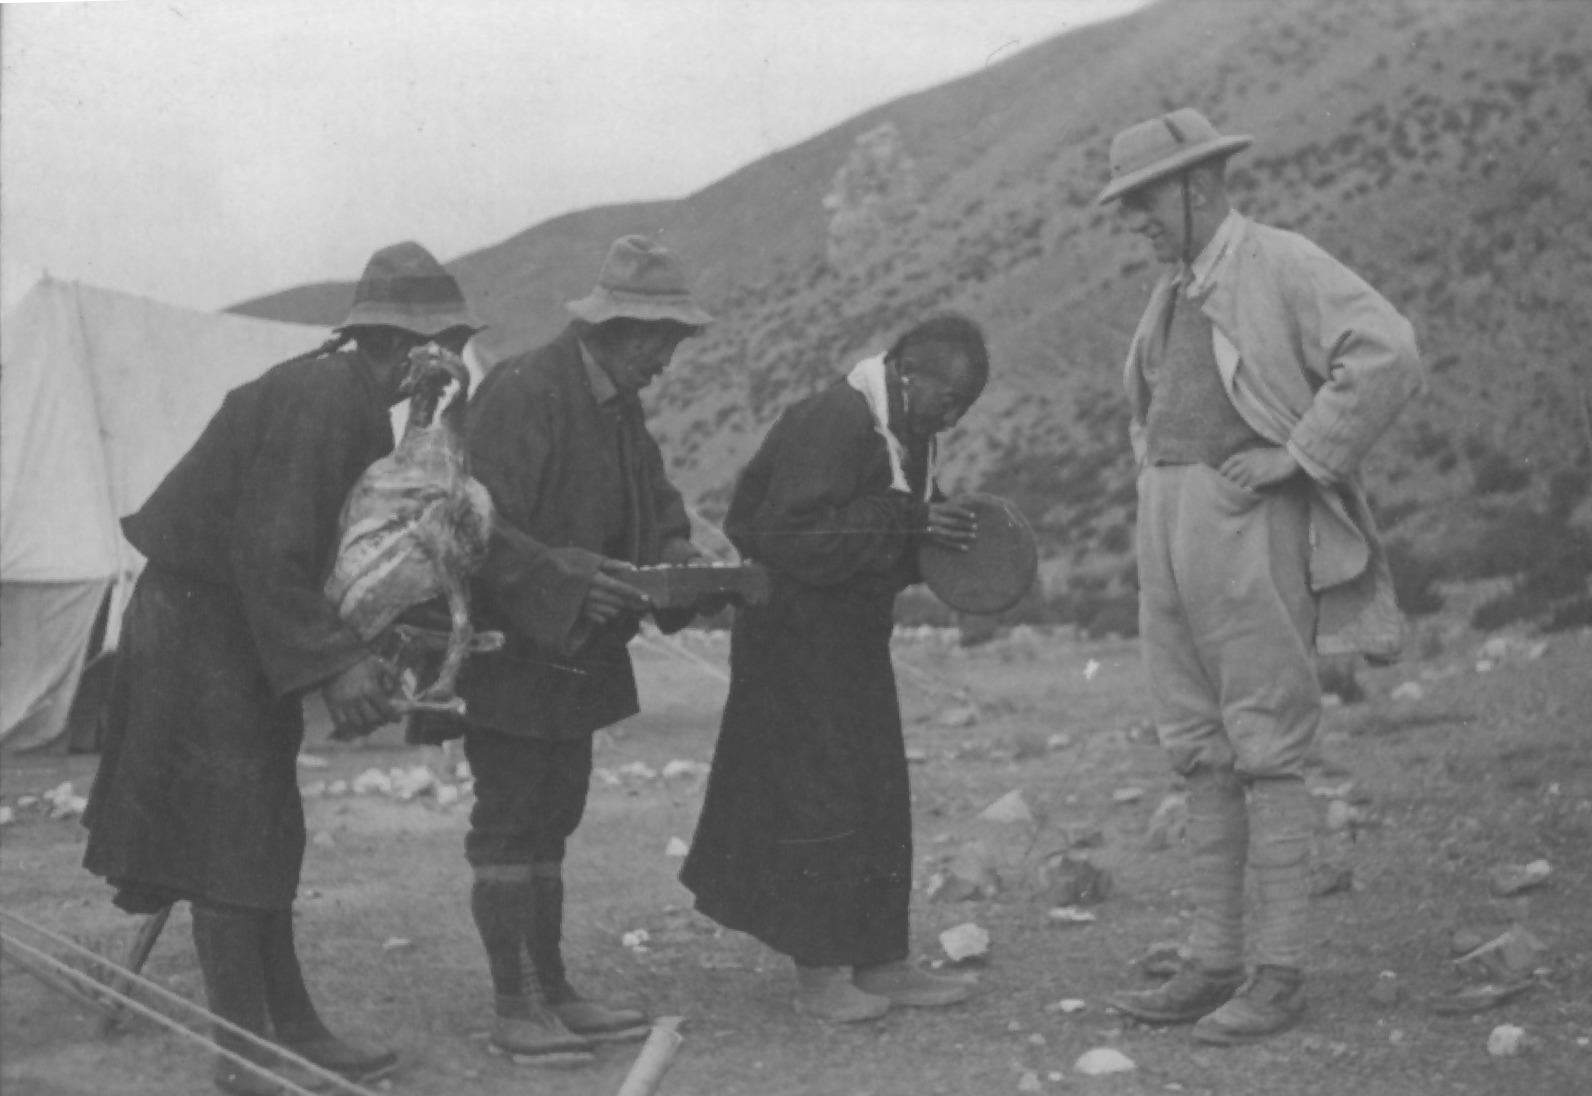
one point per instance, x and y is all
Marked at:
(1472, 757)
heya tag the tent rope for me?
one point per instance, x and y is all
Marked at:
(86, 985)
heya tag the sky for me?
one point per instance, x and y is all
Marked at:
(202, 153)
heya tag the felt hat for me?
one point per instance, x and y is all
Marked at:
(642, 280)
(403, 286)
(1164, 146)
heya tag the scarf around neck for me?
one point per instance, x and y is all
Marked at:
(868, 377)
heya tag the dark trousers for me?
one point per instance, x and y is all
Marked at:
(530, 794)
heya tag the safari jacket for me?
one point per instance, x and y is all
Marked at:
(1316, 361)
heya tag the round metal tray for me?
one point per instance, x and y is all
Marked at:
(995, 573)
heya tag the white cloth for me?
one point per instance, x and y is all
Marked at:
(868, 377)
(100, 394)
(44, 630)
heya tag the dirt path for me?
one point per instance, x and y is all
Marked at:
(1483, 769)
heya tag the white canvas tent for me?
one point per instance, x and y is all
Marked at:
(100, 393)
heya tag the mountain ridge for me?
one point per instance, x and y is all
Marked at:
(1434, 147)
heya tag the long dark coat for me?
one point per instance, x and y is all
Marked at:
(805, 836)
(197, 795)
(580, 478)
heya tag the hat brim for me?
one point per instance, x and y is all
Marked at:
(420, 322)
(1185, 159)
(600, 305)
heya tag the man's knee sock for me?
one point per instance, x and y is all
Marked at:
(544, 932)
(1280, 817)
(500, 901)
(1218, 833)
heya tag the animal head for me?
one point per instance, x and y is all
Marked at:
(437, 380)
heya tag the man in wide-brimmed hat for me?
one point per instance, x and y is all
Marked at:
(1262, 372)
(196, 796)
(558, 438)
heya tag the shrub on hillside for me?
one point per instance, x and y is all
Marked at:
(1414, 580)
(1552, 590)
(1114, 615)
(1512, 542)
(1493, 473)
(1575, 613)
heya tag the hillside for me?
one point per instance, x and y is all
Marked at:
(1438, 147)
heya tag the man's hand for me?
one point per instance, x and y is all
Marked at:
(609, 595)
(360, 699)
(952, 526)
(1256, 468)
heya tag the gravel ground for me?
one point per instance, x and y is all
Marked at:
(1481, 769)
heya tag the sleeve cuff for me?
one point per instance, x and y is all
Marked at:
(1312, 467)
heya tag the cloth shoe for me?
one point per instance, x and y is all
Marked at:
(828, 993)
(903, 983)
(1269, 1003)
(1188, 995)
(527, 1028)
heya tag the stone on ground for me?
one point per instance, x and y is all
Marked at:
(1103, 1060)
(965, 942)
(1009, 809)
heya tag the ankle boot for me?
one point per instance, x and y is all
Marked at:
(229, 944)
(544, 941)
(1272, 1001)
(293, 1017)
(529, 1030)
(828, 993)
(1190, 994)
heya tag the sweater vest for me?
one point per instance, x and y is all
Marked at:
(1191, 420)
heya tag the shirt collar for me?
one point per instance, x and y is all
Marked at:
(1209, 261)
(601, 384)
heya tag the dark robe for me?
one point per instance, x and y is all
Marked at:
(805, 836)
(196, 795)
(574, 474)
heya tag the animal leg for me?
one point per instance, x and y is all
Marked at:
(458, 638)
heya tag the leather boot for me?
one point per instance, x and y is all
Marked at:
(294, 1019)
(1269, 1003)
(828, 993)
(1187, 996)
(229, 944)
(544, 941)
(533, 1033)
